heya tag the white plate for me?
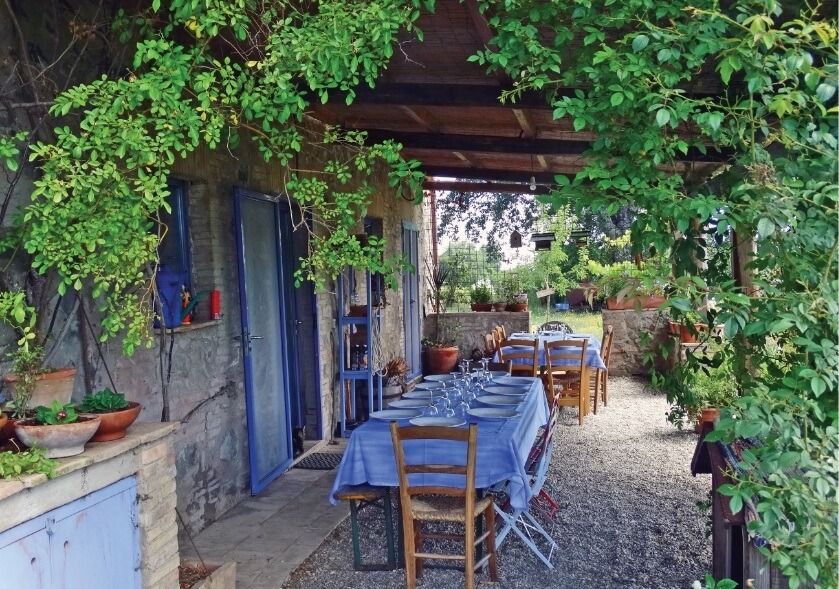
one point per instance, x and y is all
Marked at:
(514, 380)
(429, 385)
(511, 391)
(440, 377)
(395, 414)
(498, 373)
(409, 404)
(492, 413)
(422, 394)
(500, 400)
(522, 335)
(438, 421)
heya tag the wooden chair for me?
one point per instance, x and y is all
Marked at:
(507, 366)
(441, 503)
(600, 378)
(566, 372)
(554, 326)
(360, 496)
(489, 345)
(502, 333)
(526, 351)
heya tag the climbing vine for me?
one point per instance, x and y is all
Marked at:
(748, 89)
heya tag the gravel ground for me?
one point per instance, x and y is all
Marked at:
(628, 516)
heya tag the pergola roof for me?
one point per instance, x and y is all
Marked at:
(446, 111)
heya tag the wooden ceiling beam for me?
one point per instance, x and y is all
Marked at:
(502, 187)
(543, 162)
(509, 145)
(472, 162)
(426, 121)
(493, 174)
(528, 128)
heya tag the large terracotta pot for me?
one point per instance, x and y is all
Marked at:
(58, 441)
(517, 307)
(482, 307)
(49, 387)
(440, 360)
(629, 303)
(112, 425)
(499, 306)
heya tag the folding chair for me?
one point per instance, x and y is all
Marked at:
(520, 521)
(422, 502)
(523, 353)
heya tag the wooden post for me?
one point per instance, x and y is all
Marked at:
(743, 251)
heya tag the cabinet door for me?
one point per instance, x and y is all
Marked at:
(97, 547)
(26, 560)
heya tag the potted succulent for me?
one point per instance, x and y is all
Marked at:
(481, 298)
(115, 413)
(396, 377)
(58, 429)
(517, 303)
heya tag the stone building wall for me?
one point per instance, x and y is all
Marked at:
(628, 347)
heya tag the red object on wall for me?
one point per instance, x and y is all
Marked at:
(215, 305)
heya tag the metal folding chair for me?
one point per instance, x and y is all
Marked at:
(521, 521)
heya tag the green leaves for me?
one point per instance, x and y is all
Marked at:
(639, 43)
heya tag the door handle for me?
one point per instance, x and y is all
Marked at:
(253, 337)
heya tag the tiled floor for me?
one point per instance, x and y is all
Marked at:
(270, 535)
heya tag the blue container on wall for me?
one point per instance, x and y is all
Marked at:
(169, 290)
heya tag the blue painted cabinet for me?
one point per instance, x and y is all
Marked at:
(91, 543)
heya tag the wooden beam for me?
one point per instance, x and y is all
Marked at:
(525, 122)
(471, 162)
(493, 174)
(425, 120)
(450, 95)
(499, 187)
(508, 145)
(543, 162)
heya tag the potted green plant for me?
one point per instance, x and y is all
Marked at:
(440, 356)
(624, 286)
(481, 297)
(58, 429)
(517, 303)
(396, 378)
(690, 327)
(115, 413)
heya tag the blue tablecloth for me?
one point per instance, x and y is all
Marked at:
(503, 447)
(593, 359)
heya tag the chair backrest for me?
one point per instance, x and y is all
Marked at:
(565, 355)
(554, 326)
(501, 331)
(469, 440)
(489, 345)
(507, 366)
(526, 351)
(606, 345)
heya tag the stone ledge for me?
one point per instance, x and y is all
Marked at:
(138, 434)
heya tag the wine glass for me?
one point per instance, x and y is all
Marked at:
(431, 410)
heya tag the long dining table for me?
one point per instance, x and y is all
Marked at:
(503, 448)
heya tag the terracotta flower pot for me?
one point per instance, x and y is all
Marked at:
(112, 425)
(674, 328)
(708, 415)
(49, 387)
(517, 307)
(499, 306)
(440, 360)
(687, 337)
(482, 307)
(58, 441)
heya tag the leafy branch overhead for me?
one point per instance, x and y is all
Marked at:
(94, 215)
(752, 82)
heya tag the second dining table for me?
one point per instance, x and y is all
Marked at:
(502, 451)
(593, 358)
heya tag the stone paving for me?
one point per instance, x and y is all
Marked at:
(272, 534)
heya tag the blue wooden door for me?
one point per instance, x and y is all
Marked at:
(91, 543)
(266, 299)
(410, 297)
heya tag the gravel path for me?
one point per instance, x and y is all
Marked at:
(628, 517)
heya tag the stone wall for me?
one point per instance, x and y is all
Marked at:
(147, 453)
(468, 329)
(628, 349)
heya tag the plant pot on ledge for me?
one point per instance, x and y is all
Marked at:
(50, 386)
(687, 337)
(499, 306)
(517, 307)
(58, 441)
(481, 307)
(440, 360)
(113, 424)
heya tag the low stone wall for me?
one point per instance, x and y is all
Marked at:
(627, 348)
(468, 329)
(147, 453)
